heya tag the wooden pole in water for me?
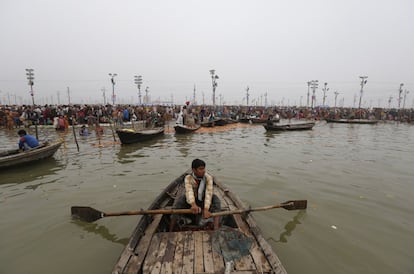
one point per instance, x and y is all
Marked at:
(74, 132)
(110, 125)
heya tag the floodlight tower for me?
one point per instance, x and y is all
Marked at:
(113, 75)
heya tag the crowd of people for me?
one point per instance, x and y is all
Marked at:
(61, 116)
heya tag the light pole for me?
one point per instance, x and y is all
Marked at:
(247, 96)
(314, 84)
(194, 95)
(324, 92)
(214, 78)
(363, 83)
(146, 95)
(30, 77)
(138, 82)
(405, 96)
(68, 95)
(104, 95)
(113, 75)
(399, 95)
(336, 96)
(307, 101)
(389, 102)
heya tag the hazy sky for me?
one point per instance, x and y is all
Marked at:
(270, 46)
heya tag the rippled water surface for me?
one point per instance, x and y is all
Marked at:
(358, 180)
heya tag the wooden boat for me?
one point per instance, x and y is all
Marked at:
(352, 121)
(257, 120)
(244, 120)
(207, 123)
(130, 136)
(220, 122)
(295, 126)
(153, 249)
(182, 129)
(15, 157)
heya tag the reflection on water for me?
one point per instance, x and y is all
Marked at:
(100, 230)
(184, 143)
(31, 171)
(289, 227)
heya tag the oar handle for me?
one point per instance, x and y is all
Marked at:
(142, 212)
(240, 211)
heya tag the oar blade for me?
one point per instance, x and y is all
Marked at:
(86, 213)
(295, 204)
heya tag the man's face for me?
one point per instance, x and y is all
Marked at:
(200, 171)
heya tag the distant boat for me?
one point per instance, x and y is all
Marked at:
(207, 123)
(352, 121)
(256, 120)
(182, 129)
(130, 136)
(287, 127)
(15, 157)
(220, 121)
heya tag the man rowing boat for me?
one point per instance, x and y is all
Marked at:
(198, 195)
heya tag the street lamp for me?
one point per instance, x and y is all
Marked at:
(405, 96)
(113, 75)
(399, 95)
(363, 83)
(324, 93)
(146, 95)
(314, 84)
(247, 96)
(138, 82)
(214, 77)
(307, 101)
(336, 96)
(30, 77)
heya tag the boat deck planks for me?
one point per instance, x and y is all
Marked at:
(179, 251)
(193, 253)
(188, 253)
(207, 253)
(198, 252)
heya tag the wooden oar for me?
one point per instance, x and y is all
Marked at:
(90, 214)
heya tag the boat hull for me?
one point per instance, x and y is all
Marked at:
(290, 127)
(182, 129)
(20, 158)
(130, 136)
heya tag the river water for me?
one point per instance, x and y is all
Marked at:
(358, 180)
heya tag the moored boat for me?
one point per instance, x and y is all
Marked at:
(352, 121)
(182, 129)
(130, 136)
(208, 123)
(287, 127)
(152, 248)
(15, 157)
